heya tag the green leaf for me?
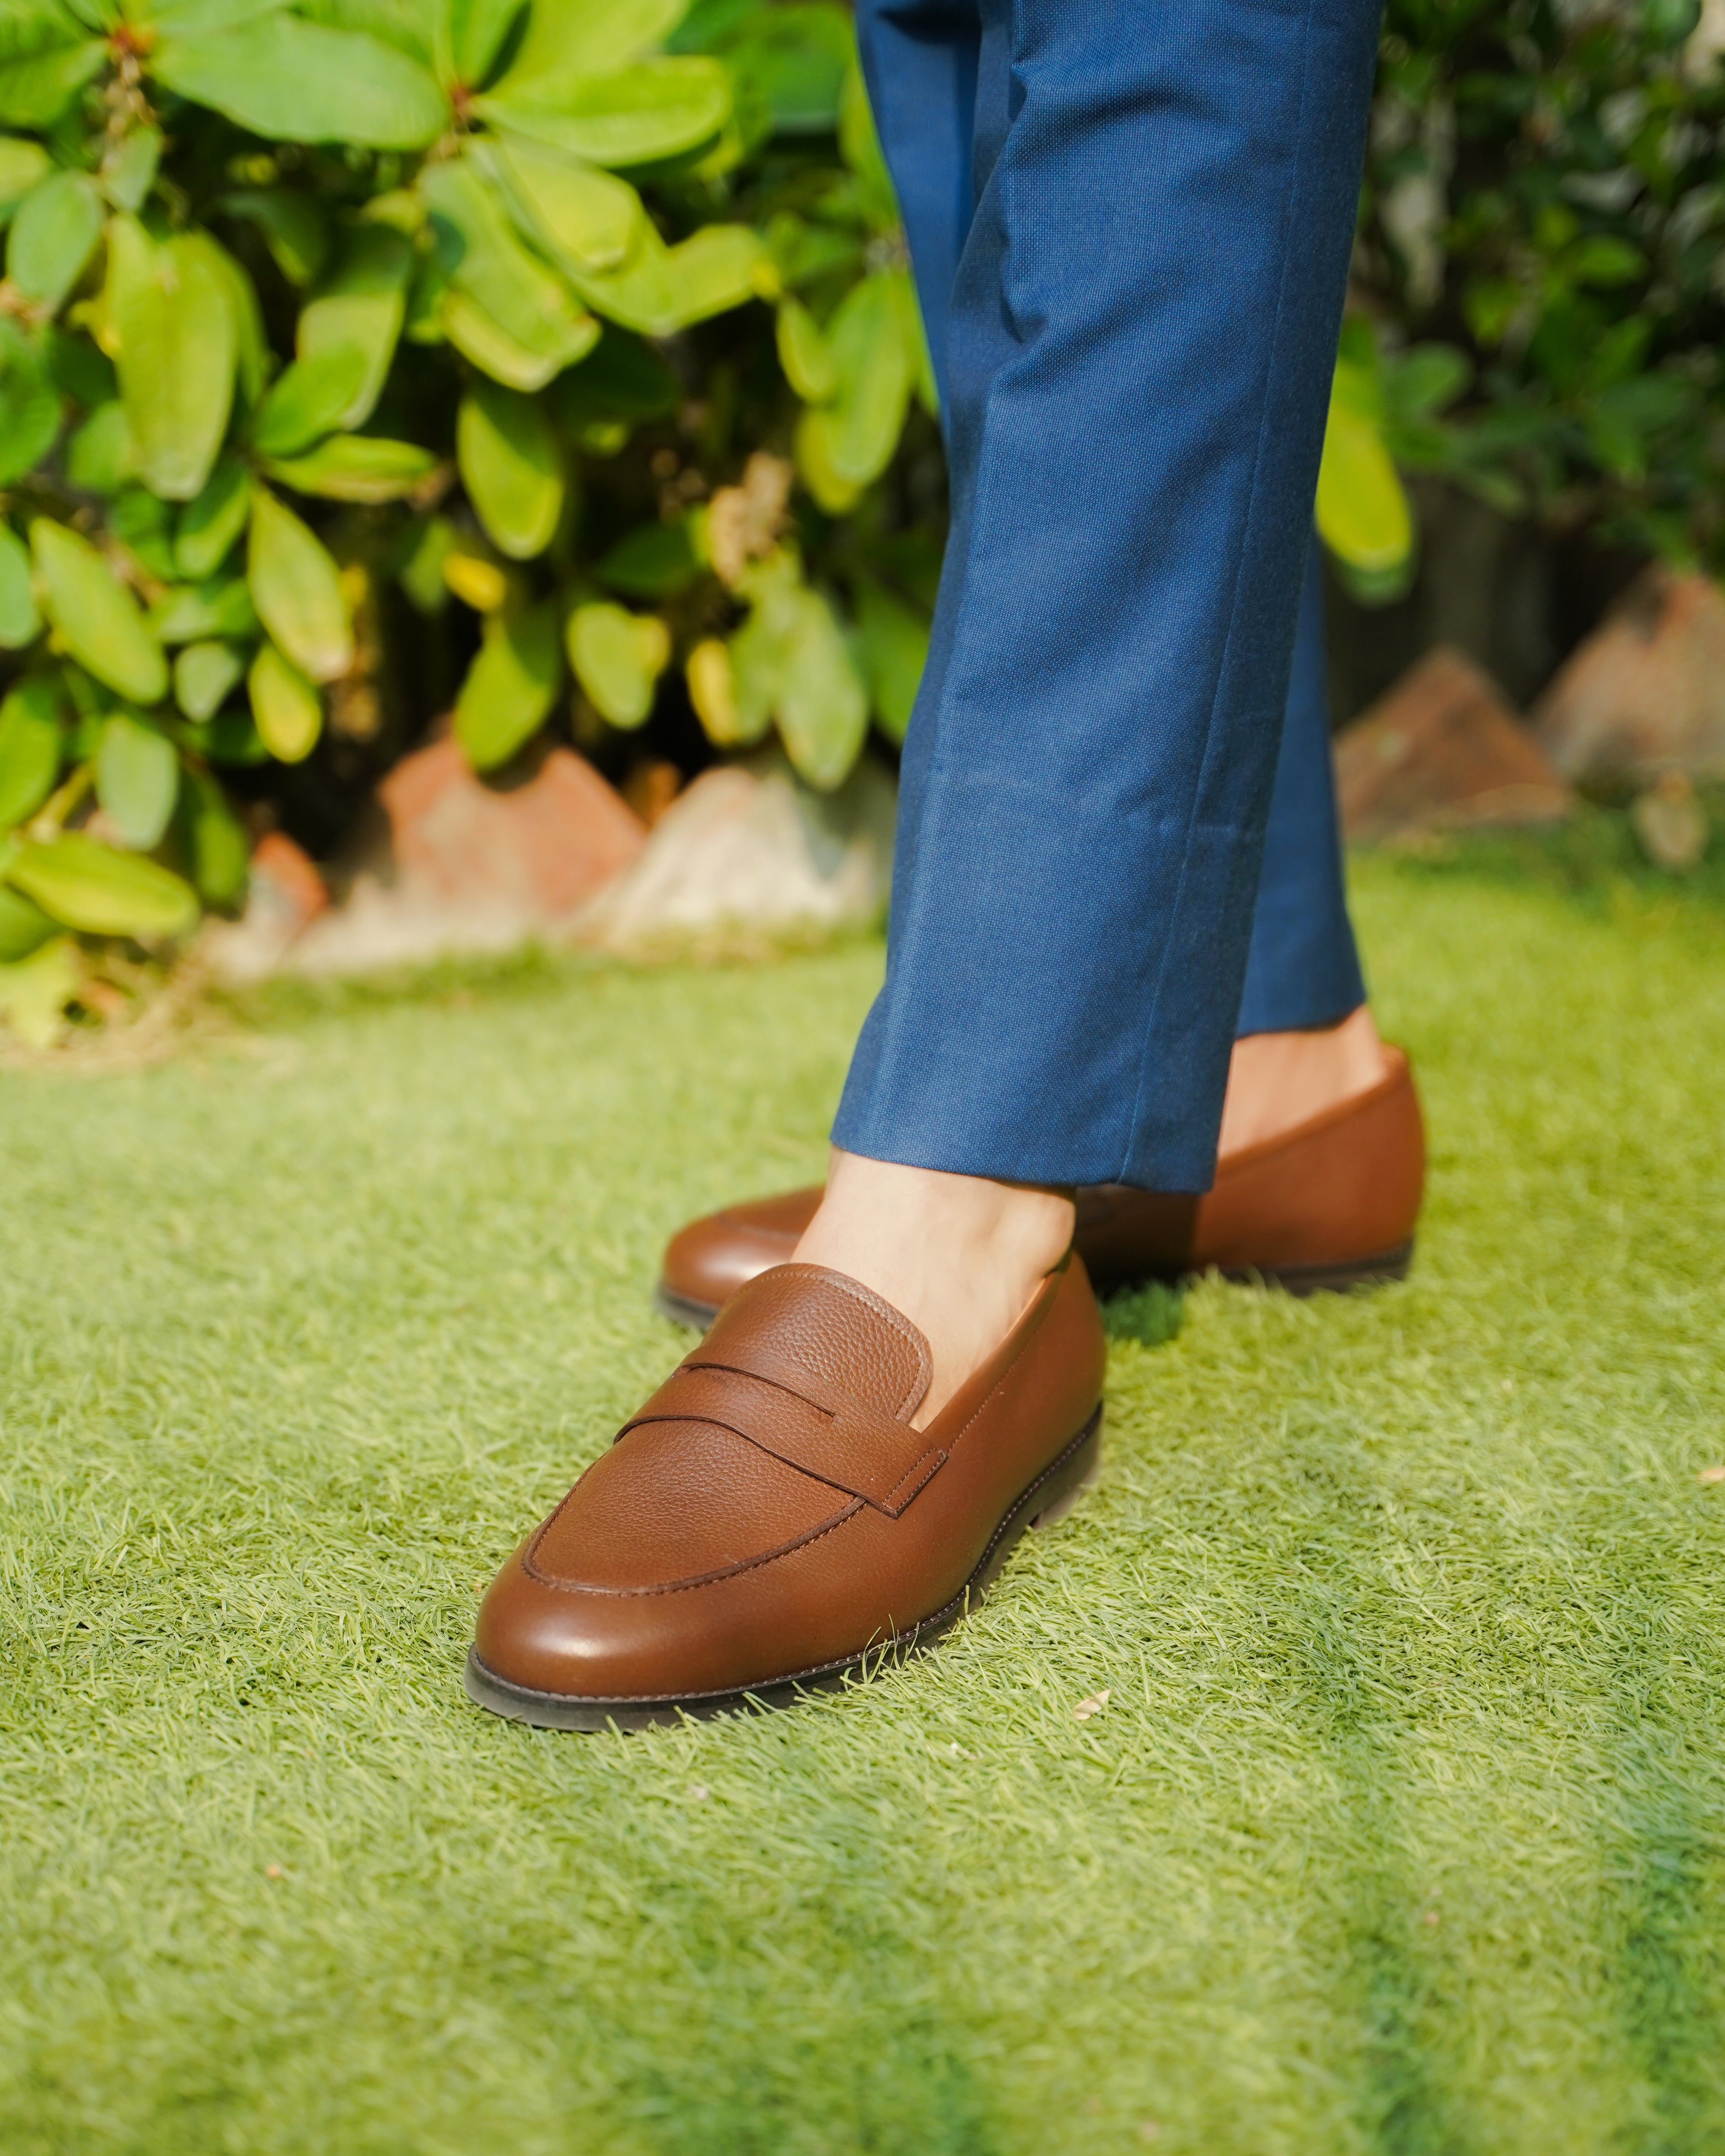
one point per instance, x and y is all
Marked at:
(34, 992)
(823, 708)
(34, 92)
(1427, 380)
(530, 308)
(895, 650)
(30, 743)
(469, 34)
(860, 147)
(307, 401)
(199, 17)
(661, 290)
(54, 234)
(588, 38)
(618, 657)
(813, 451)
(405, 24)
(20, 624)
(93, 888)
(255, 360)
(211, 525)
(29, 404)
(358, 311)
(170, 311)
(287, 709)
(794, 60)
(1602, 261)
(185, 614)
(221, 858)
(295, 230)
(99, 621)
(137, 778)
(653, 561)
(361, 468)
(1362, 512)
(21, 164)
(805, 355)
(296, 589)
(421, 573)
(99, 454)
(297, 81)
(203, 674)
(646, 112)
(24, 927)
(582, 217)
(510, 687)
(143, 524)
(129, 169)
(479, 337)
(511, 468)
(790, 661)
(853, 438)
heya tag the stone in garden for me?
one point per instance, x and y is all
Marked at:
(545, 843)
(1443, 750)
(284, 896)
(1645, 692)
(747, 850)
(454, 864)
(1670, 824)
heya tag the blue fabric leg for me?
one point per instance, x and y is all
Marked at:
(1302, 968)
(1143, 321)
(921, 60)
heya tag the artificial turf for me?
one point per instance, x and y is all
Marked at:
(1403, 1828)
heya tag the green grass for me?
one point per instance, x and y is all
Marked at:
(1403, 1830)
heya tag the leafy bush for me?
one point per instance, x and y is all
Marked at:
(313, 307)
(557, 362)
(1539, 282)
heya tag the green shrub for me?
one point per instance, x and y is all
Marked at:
(309, 304)
(557, 362)
(1540, 257)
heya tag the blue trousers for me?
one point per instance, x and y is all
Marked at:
(1129, 222)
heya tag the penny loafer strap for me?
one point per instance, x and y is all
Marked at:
(788, 1411)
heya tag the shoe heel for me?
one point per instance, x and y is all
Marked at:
(1075, 1476)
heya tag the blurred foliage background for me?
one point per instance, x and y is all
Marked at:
(556, 363)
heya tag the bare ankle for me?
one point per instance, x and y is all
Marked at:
(1276, 1081)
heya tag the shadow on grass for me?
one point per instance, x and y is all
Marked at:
(1148, 1317)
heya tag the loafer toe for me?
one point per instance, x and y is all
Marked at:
(771, 1517)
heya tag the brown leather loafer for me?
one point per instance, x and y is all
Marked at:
(1331, 1203)
(770, 1520)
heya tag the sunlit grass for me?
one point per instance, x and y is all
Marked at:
(1400, 1831)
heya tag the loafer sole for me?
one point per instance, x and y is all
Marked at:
(1336, 1278)
(1049, 1498)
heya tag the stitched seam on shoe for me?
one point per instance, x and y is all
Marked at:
(901, 1325)
(911, 1633)
(700, 1579)
(760, 1443)
(893, 1503)
(1018, 1352)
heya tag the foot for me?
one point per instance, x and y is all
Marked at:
(773, 1518)
(959, 1255)
(1278, 1080)
(1318, 1184)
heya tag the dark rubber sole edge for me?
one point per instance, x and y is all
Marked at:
(1347, 1273)
(1049, 1498)
(682, 1309)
